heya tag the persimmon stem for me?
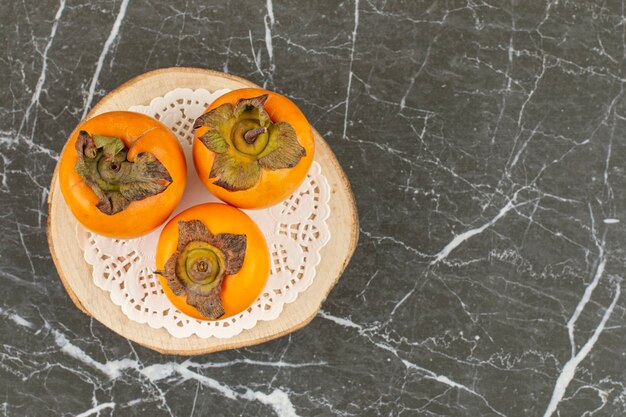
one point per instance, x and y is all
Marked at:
(200, 263)
(103, 165)
(251, 135)
(246, 140)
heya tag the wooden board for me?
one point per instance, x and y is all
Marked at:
(75, 273)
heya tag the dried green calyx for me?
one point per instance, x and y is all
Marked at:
(117, 181)
(200, 263)
(245, 140)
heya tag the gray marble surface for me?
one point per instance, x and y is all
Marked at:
(485, 145)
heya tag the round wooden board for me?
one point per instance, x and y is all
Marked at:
(75, 273)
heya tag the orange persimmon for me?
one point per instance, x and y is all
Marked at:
(253, 147)
(122, 174)
(212, 261)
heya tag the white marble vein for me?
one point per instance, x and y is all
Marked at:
(415, 76)
(278, 400)
(34, 101)
(462, 237)
(569, 369)
(16, 318)
(447, 381)
(113, 35)
(256, 57)
(96, 410)
(350, 74)
(113, 369)
(269, 25)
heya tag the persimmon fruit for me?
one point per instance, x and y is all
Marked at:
(122, 174)
(253, 148)
(212, 261)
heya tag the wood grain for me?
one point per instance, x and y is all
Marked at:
(75, 273)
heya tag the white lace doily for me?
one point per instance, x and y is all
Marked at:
(295, 231)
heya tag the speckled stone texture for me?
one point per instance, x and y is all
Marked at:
(485, 144)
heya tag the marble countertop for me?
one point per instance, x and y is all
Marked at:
(485, 146)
